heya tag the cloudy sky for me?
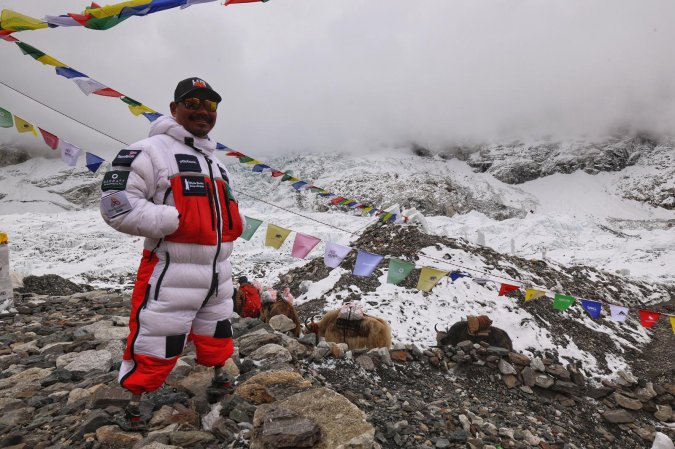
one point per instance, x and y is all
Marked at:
(332, 75)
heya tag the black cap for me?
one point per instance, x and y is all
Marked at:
(243, 280)
(194, 84)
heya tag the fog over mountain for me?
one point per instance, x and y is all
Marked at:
(307, 75)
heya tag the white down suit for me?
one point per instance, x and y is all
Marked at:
(170, 189)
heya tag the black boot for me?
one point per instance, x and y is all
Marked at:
(221, 385)
(132, 420)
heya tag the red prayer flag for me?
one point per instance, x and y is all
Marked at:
(80, 18)
(233, 153)
(108, 92)
(337, 200)
(277, 173)
(505, 288)
(50, 139)
(648, 319)
(229, 2)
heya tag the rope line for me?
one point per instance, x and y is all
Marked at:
(64, 114)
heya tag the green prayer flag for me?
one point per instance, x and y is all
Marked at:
(244, 159)
(562, 302)
(104, 23)
(398, 270)
(6, 120)
(29, 50)
(130, 101)
(286, 177)
(252, 225)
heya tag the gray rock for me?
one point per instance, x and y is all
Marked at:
(618, 416)
(85, 362)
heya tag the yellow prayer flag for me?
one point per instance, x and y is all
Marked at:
(275, 236)
(23, 126)
(672, 323)
(140, 109)
(46, 59)
(14, 21)
(113, 10)
(429, 277)
(253, 162)
(367, 209)
(531, 293)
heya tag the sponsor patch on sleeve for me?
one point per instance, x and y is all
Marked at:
(193, 185)
(115, 204)
(125, 157)
(115, 180)
(188, 163)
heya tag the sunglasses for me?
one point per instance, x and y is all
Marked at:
(194, 103)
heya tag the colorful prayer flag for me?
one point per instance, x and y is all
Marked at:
(505, 288)
(93, 161)
(88, 86)
(141, 109)
(672, 323)
(298, 185)
(335, 254)
(398, 270)
(69, 153)
(6, 120)
(38, 55)
(70, 73)
(618, 313)
(108, 92)
(531, 293)
(276, 235)
(592, 307)
(458, 274)
(429, 277)
(303, 244)
(562, 302)
(252, 225)
(23, 126)
(14, 21)
(648, 319)
(50, 139)
(366, 263)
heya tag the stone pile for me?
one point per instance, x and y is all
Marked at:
(60, 355)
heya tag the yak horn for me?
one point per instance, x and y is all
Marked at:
(436, 328)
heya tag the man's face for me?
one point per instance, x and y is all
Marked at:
(198, 122)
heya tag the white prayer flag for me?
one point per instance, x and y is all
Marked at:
(69, 153)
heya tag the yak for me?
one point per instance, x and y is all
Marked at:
(280, 307)
(370, 332)
(459, 331)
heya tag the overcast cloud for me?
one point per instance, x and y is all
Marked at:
(331, 75)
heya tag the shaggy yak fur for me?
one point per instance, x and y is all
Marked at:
(460, 331)
(370, 332)
(280, 307)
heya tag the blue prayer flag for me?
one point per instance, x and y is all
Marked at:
(366, 263)
(93, 162)
(592, 307)
(70, 73)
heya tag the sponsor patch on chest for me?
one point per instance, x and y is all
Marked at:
(188, 163)
(193, 185)
(115, 180)
(125, 157)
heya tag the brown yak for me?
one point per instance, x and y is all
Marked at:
(483, 331)
(272, 305)
(370, 332)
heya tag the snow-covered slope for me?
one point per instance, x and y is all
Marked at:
(559, 221)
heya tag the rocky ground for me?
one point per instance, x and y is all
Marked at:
(60, 352)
